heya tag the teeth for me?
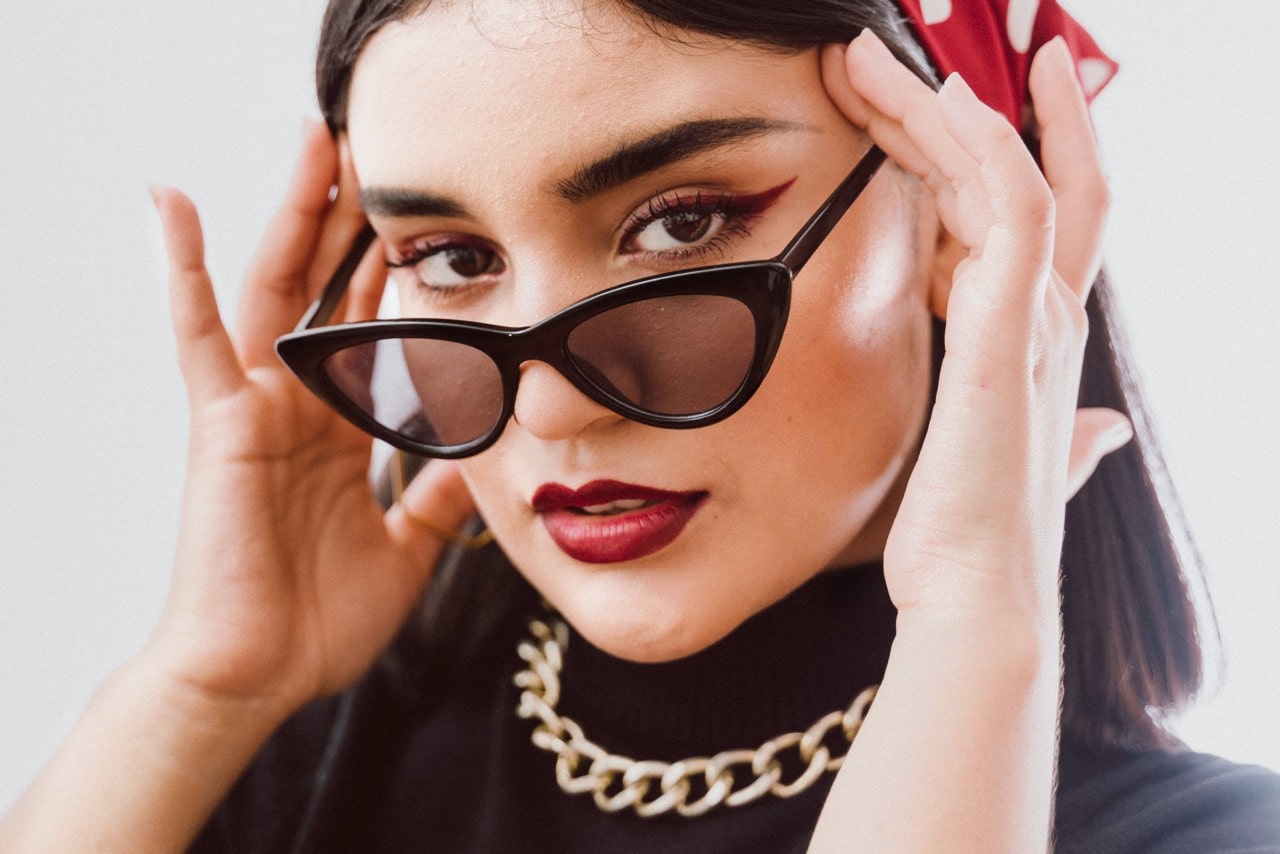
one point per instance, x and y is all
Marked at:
(614, 507)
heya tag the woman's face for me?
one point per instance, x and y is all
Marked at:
(550, 153)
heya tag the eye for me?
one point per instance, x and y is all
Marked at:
(678, 229)
(445, 265)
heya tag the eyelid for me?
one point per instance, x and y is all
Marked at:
(738, 205)
(671, 200)
(410, 252)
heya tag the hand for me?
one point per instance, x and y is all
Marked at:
(289, 578)
(958, 751)
(980, 526)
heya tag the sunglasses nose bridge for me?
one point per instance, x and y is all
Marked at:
(551, 406)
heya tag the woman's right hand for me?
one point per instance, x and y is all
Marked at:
(289, 577)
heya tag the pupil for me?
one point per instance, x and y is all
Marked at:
(468, 261)
(688, 226)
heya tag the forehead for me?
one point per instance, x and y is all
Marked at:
(497, 84)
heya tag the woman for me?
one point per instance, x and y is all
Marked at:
(515, 161)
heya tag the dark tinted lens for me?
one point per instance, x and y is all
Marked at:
(673, 355)
(434, 392)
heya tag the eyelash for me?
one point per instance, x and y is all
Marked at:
(409, 258)
(739, 212)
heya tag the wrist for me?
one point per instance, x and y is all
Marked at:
(143, 768)
(196, 703)
(958, 751)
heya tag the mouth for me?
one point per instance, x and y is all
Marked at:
(606, 521)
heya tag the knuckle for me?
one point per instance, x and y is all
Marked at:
(1033, 208)
(1070, 317)
(1027, 196)
(1040, 207)
(1077, 318)
(1094, 193)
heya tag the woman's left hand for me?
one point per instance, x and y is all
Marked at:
(958, 751)
(996, 465)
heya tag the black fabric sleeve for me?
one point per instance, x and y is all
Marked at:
(273, 802)
(1165, 802)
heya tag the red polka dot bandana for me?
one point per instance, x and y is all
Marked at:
(991, 42)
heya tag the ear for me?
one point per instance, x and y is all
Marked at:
(947, 253)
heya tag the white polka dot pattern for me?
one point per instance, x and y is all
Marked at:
(1094, 74)
(1020, 21)
(935, 11)
(991, 43)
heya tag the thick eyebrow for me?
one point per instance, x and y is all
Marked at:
(398, 202)
(632, 159)
(627, 162)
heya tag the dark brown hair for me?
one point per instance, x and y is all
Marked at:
(1132, 651)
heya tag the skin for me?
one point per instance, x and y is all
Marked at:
(289, 578)
(815, 452)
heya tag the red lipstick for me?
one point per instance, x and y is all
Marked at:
(606, 521)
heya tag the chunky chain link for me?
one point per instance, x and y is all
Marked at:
(689, 786)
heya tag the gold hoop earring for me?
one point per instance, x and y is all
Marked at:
(399, 480)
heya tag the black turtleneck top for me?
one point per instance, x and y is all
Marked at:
(433, 757)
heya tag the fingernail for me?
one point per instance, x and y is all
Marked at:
(1060, 53)
(1119, 434)
(1067, 63)
(871, 41)
(155, 190)
(954, 88)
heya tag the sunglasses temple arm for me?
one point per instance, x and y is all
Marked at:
(323, 308)
(821, 223)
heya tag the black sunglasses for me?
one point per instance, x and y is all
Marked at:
(680, 350)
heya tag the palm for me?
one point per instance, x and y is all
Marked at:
(289, 578)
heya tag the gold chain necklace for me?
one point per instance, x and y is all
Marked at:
(651, 787)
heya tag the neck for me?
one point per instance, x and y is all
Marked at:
(778, 672)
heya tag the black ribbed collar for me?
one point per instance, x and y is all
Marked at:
(781, 670)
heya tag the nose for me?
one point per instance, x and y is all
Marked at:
(551, 408)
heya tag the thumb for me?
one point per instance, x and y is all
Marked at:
(1098, 432)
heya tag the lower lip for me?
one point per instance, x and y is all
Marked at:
(624, 536)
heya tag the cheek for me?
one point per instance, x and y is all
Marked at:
(851, 394)
(491, 488)
(844, 405)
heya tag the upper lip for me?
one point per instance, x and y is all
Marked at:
(555, 496)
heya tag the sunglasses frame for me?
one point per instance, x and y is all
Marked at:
(764, 287)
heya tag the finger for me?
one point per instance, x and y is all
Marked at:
(345, 220)
(364, 295)
(1072, 166)
(1019, 189)
(437, 498)
(206, 356)
(905, 119)
(1098, 432)
(1008, 182)
(888, 134)
(275, 293)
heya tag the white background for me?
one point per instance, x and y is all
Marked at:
(97, 104)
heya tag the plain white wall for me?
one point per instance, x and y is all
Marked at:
(96, 105)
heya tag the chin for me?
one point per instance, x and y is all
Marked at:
(644, 645)
(646, 632)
